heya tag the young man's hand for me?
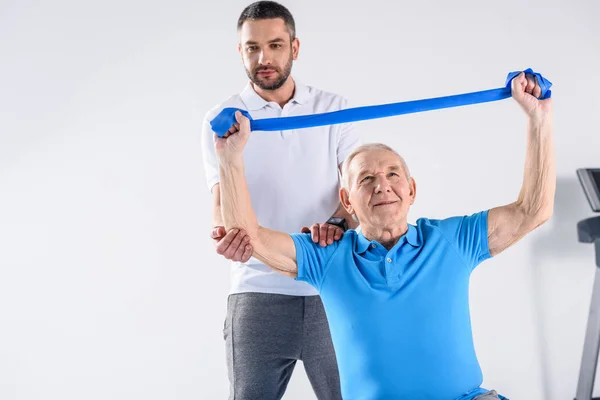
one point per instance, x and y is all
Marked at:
(324, 234)
(233, 245)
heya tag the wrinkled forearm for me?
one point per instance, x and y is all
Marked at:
(536, 198)
(276, 249)
(236, 205)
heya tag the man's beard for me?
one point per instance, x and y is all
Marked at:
(274, 85)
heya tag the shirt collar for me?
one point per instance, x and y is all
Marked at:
(254, 102)
(411, 236)
(301, 93)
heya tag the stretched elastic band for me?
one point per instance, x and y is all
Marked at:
(226, 118)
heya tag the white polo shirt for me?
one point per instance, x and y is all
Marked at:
(292, 175)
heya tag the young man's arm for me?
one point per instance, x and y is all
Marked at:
(534, 206)
(325, 234)
(275, 249)
(347, 140)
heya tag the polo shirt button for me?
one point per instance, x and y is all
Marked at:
(389, 260)
(373, 245)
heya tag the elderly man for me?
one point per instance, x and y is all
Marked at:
(396, 295)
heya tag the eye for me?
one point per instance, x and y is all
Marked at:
(251, 48)
(276, 45)
(366, 179)
(393, 174)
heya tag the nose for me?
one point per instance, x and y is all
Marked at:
(382, 184)
(265, 57)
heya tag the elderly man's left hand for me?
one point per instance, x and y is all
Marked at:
(324, 234)
(526, 90)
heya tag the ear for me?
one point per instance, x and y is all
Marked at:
(295, 48)
(345, 200)
(413, 190)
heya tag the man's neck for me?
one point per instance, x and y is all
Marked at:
(387, 237)
(280, 96)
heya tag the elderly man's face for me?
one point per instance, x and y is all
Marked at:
(380, 193)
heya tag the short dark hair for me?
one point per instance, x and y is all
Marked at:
(268, 10)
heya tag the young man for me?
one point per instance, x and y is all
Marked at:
(396, 295)
(273, 320)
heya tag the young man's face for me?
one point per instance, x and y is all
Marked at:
(267, 52)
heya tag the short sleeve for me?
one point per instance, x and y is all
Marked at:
(312, 259)
(209, 156)
(348, 138)
(469, 235)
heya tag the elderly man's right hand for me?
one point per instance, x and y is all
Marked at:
(230, 147)
(233, 245)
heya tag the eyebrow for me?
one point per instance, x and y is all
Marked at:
(394, 168)
(362, 173)
(276, 40)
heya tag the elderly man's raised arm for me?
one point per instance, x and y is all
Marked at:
(276, 249)
(534, 206)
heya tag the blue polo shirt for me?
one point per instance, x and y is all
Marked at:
(399, 319)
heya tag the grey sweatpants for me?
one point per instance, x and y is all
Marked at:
(491, 395)
(265, 334)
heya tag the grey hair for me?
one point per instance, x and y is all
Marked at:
(362, 149)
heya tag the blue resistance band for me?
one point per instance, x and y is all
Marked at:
(226, 118)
